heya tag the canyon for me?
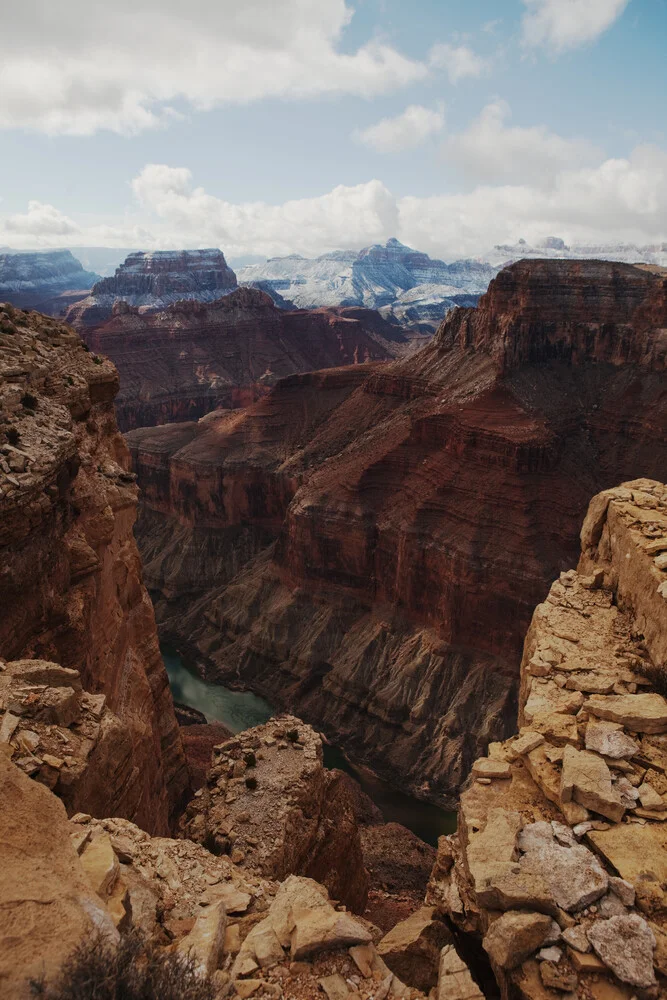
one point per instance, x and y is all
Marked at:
(272, 876)
(180, 362)
(366, 545)
(49, 280)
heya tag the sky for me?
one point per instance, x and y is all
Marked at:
(270, 127)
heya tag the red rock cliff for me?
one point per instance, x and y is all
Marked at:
(367, 545)
(192, 357)
(71, 588)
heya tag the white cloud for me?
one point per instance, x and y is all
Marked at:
(409, 129)
(614, 200)
(458, 61)
(40, 221)
(490, 150)
(345, 217)
(567, 24)
(74, 67)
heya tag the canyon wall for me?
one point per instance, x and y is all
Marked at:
(152, 280)
(49, 280)
(192, 357)
(71, 586)
(559, 862)
(366, 545)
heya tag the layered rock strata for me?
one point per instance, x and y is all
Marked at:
(152, 280)
(182, 361)
(71, 587)
(50, 281)
(559, 861)
(366, 545)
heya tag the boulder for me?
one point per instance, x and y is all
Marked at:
(514, 936)
(412, 948)
(640, 713)
(625, 944)
(324, 930)
(46, 903)
(205, 941)
(454, 979)
(610, 740)
(587, 779)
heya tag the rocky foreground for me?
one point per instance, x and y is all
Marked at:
(366, 545)
(559, 863)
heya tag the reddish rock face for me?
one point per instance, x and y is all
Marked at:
(193, 357)
(367, 545)
(71, 588)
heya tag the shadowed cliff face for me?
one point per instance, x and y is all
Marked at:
(367, 545)
(192, 357)
(71, 587)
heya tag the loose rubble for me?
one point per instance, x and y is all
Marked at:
(560, 861)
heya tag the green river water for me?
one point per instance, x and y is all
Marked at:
(239, 710)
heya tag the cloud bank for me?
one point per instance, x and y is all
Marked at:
(621, 199)
(75, 67)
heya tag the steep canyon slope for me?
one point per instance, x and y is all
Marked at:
(180, 362)
(366, 545)
(71, 587)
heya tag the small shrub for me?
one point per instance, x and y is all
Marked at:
(69, 380)
(97, 359)
(13, 436)
(135, 970)
(251, 782)
(28, 401)
(86, 348)
(250, 759)
(292, 735)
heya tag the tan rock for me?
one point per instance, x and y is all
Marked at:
(334, 986)
(491, 851)
(576, 938)
(625, 944)
(610, 740)
(586, 962)
(100, 864)
(632, 849)
(266, 946)
(454, 979)
(412, 948)
(46, 903)
(514, 936)
(547, 698)
(484, 767)
(205, 941)
(246, 987)
(524, 744)
(559, 978)
(650, 799)
(640, 713)
(587, 779)
(363, 955)
(557, 728)
(322, 930)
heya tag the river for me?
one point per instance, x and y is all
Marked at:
(239, 710)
